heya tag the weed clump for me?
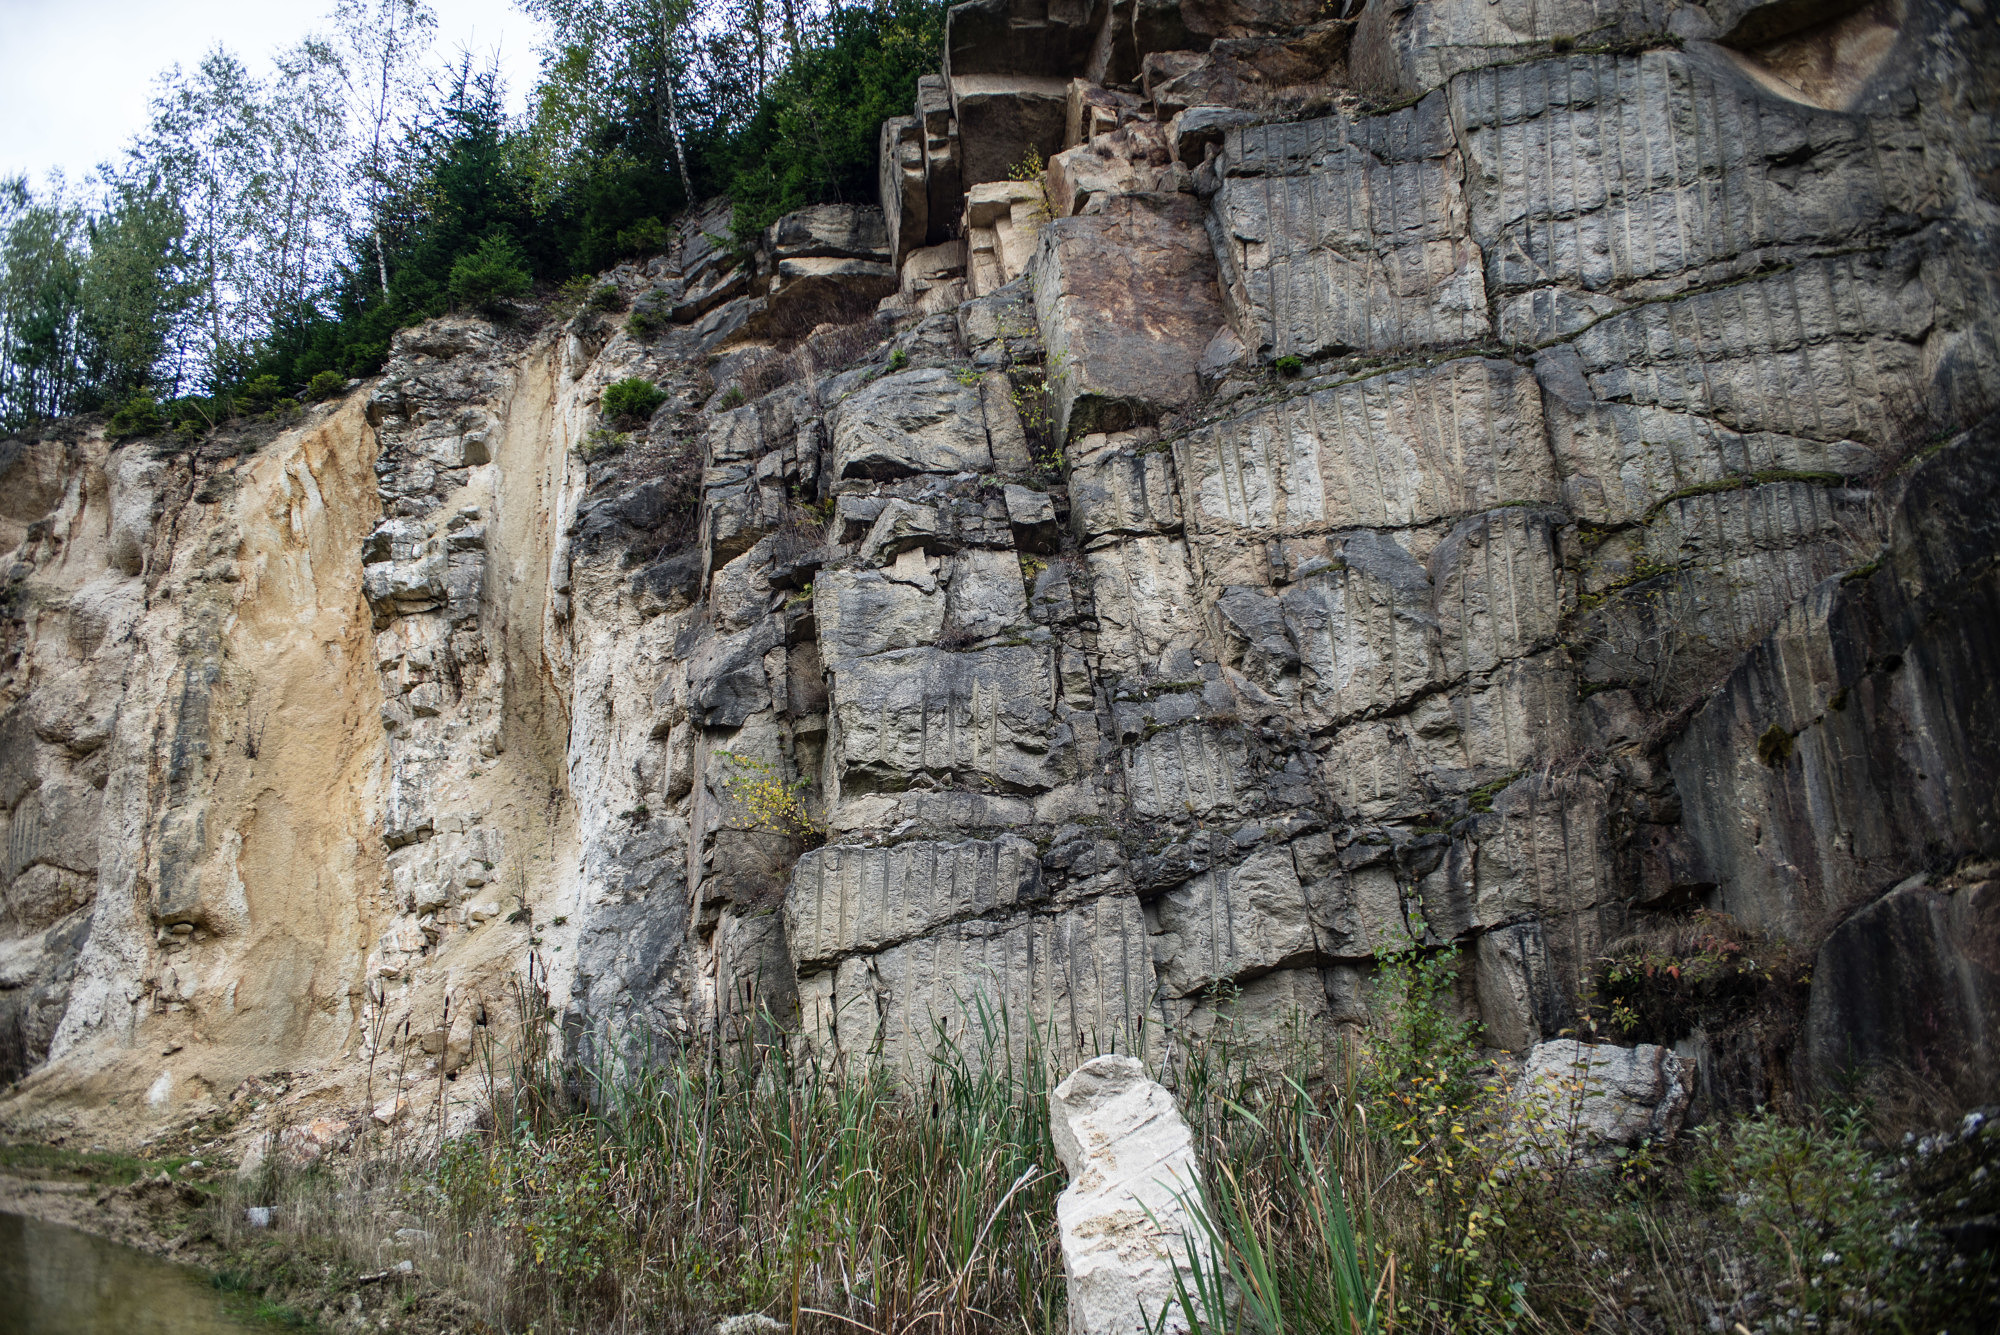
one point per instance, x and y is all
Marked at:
(632, 402)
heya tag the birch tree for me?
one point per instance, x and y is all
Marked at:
(385, 41)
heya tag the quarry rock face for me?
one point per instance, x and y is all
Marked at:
(1436, 475)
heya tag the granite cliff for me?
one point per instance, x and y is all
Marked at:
(1272, 485)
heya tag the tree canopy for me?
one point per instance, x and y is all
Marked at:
(264, 230)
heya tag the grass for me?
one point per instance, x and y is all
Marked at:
(52, 1163)
(1369, 1188)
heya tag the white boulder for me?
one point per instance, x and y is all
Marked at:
(1125, 1218)
(1590, 1096)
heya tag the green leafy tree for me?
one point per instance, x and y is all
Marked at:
(42, 257)
(383, 39)
(135, 291)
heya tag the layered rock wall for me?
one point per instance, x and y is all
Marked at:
(1445, 474)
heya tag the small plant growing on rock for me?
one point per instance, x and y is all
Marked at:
(325, 385)
(898, 359)
(1289, 367)
(772, 801)
(631, 402)
(258, 396)
(603, 441)
(644, 322)
(734, 398)
(138, 416)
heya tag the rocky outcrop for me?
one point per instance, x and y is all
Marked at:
(1448, 475)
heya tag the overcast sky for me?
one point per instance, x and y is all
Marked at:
(75, 75)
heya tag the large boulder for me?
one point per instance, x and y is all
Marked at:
(1125, 1217)
(1127, 300)
(1052, 38)
(1596, 1096)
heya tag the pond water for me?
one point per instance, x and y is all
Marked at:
(58, 1281)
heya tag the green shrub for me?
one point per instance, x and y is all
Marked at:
(325, 384)
(734, 397)
(258, 396)
(1815, 1203)
(646, 237)
(632, 401)
(606, 297)
(1289, 366)
(488, 276)
(898, 359)
(138, 416)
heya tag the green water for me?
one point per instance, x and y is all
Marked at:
(57, 1281)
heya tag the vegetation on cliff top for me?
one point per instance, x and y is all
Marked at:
(282, 228)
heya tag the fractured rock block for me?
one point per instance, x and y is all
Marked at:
(862, 612)
(1397, 449)
(1147, 611)
(1825, 351)
(1190, 770)
(1051, 38)
(847, 901)
(1498, 588)
(904, 190)
(1575, 1096)
(1261, 73)
(1404, 49)
(934, 277)
(1126, 299)
(1356, 637)
(944, 186)
(1123, 484)
(1233, 922)
(1133, 158)
(1190, 25)
(926, 713)
(1127, 1216)
(1356, 899)
(1597, 172)
(841, 231)
(1542, 853)
(1079, 977)
(1094, 111)
(1339, 235)
(1001, 117)
(922, 421)
(1454, 741)
(403, 570)
(1003, 220)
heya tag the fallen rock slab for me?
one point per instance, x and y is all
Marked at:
(1125, 1216)
(1595, 1096)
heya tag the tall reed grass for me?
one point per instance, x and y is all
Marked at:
(1373, 1189)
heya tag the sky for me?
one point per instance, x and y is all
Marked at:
(75, 75)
